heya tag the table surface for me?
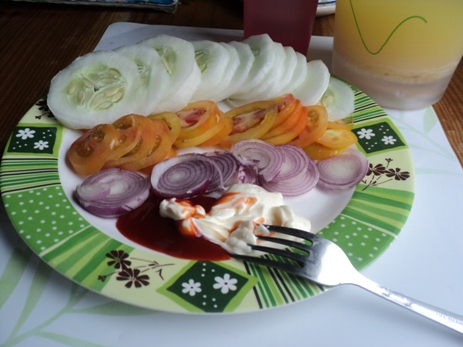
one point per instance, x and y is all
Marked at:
(38, 40)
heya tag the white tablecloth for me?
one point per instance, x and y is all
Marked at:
(39, 307)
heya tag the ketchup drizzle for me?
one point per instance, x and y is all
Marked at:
(145, 226)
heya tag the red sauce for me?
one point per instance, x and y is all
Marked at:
(146, 227)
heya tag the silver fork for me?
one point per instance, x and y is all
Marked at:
(325, 263)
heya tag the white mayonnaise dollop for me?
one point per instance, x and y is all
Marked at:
(235, 218)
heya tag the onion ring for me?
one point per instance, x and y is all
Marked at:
(265, 156)
(112, 192)
(183, 176)
(343, 171)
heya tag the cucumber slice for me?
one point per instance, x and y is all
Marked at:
(96, 88)
(281, 84)
(272, 78)
(246, 61)
(296, 71)
(178, 57)
(314, 85)
(152, 73)
(222, 89)
(339, 99)
(263, 49)
(299, 74)
(212, 59)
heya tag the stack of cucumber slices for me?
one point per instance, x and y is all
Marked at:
(165, 73)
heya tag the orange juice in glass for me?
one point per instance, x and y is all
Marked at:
(402, 53)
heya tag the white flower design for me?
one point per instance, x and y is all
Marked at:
(365, 133)
(191, 287)
(24, 134)
(225, 284)
(388, 140)
(41, 145)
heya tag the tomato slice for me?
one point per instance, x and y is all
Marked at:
(286, 107)
(196, 118)
(158, 152)
(143, 145)
(208, 136)
(337, 136)
(317, 122)
(89, 152)
(129, 135)
(147, 170)
(290, 122)
(226, 126)
(251, 121)
(317, 151)
(172, 120)
(299, 125)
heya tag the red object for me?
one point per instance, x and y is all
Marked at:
(146, 227)
(289, 22)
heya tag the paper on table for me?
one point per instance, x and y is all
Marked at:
(40, 307)
(169, 6)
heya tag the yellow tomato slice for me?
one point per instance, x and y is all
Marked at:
(206, 136)
(286, 106)
(89, 152)
(129, 135)
(299, 125)
(196, 118)
(337, 136)
(147, 170)
(251, 121)
(316, 151)
(291, 120)
(143, 146)
(172, 120)
(226, 125)
(317, 122)
(158, 152)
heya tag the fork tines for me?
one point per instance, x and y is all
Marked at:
(302, 234)
(298, 259)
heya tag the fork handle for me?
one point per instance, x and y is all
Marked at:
(446, 318)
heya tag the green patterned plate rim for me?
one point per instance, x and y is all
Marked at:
(36, 187)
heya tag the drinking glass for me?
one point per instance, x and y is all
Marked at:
(402, 53)
(289, 22)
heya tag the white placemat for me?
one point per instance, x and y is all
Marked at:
(38, 307)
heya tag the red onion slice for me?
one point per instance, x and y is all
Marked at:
(183, 176)
(295, 161)
(299, 184)
(247, 174)
(265, 156)
(228, 167)
(112, 192)
(342, 172)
